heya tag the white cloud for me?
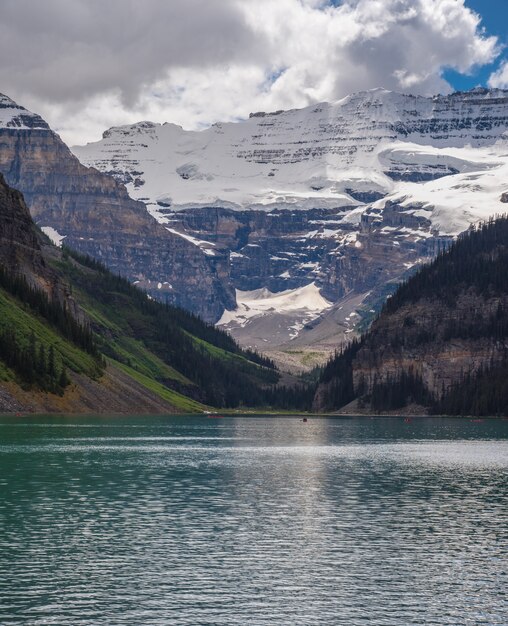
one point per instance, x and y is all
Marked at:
(500, 77)
(86, 64)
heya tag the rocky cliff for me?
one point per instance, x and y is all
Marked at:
(21, 254)
(93, 213)
(442, 330)
(19, 248)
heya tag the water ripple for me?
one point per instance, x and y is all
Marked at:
(253, 521)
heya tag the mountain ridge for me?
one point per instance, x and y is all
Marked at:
(451, 120)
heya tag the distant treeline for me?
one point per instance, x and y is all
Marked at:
(297, 397)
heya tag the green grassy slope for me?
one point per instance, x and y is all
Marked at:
(170, 353)
(18, 318)
(163, 343)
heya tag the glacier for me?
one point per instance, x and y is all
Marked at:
(373, 143)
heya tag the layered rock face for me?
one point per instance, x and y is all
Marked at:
(348, 196)
(19, 248)
(428, 352)
(94, 214)
(283, 249)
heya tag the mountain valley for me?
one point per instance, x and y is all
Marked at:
(348, 196)
(288, 229)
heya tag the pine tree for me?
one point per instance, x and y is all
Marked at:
(63, 379)
(51, 363)
(41, 361)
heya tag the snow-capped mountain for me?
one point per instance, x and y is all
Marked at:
(324, 156)
(346, 196)
(14, 116)
(93, 213)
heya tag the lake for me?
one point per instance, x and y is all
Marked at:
(250, 520)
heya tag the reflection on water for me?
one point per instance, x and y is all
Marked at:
(193, 521)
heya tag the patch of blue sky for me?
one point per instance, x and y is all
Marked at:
(494, 14)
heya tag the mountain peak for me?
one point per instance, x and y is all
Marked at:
(5, 101)
(142, 127)
(12, 115)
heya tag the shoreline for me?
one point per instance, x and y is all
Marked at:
(254, 414)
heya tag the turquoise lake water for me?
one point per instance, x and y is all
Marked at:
(200, 521)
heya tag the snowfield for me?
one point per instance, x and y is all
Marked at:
(324, 156)
(300, 306)
(305, 300)
(54, 235)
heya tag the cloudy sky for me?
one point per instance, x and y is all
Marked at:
(86, 65)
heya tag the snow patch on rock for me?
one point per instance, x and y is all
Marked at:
(54, 235)
(300, 305)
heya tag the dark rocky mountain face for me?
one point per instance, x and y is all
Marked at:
(19, 248)
(353, 265)
(96, 216)
(285, 249)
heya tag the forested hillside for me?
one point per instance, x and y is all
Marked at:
(440, 342)
(211, 367)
